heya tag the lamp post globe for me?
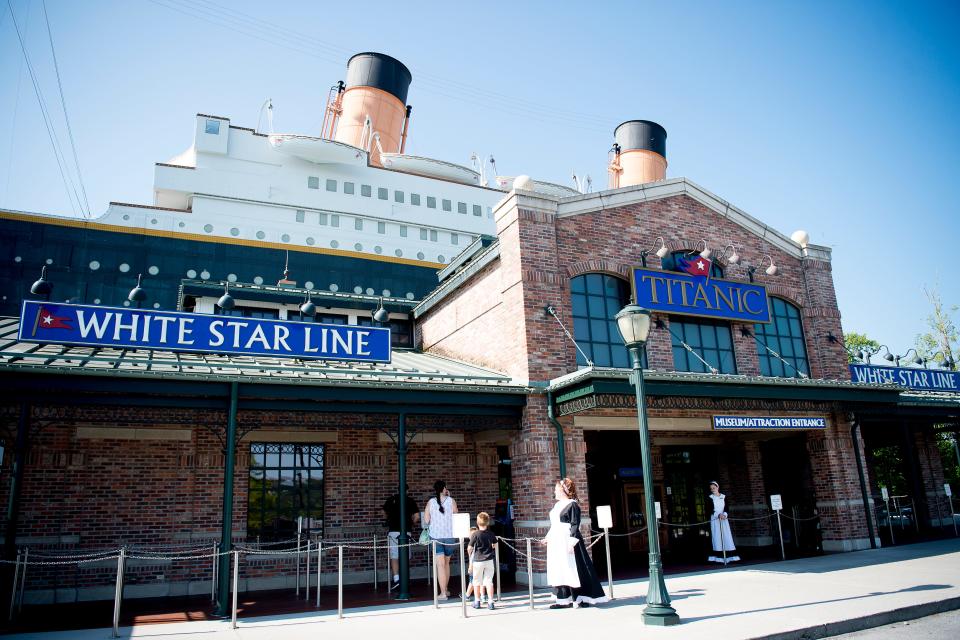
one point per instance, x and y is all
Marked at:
(633, 322)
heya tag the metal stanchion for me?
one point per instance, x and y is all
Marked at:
(939, 512)
(213, 570)
(890, 522)
(118, 594)
(916, 520)
(340, 582)
(496, 559)
(426, 552)
(307, 573)
(463, 582)
(236, 588)
(952, 519)
(13, 587)
(297, 592)
(796, 533)
(530, 571)
(376, 568)
(23, 578)
(606, 542)
(723, 543)
(388, 579)
(319, 569)
(436, 582)
(783, 553)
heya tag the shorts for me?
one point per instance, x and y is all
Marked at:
(483, 571)
(393, 539)
(445, 546)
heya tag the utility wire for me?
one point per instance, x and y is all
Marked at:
(63, 104)
(51, 132)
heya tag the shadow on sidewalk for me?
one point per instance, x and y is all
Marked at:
(921, 587)
(856, 559)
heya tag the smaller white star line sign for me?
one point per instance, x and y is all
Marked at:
(47, 320)
(700, 265)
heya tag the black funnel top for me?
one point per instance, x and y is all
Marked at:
(641, 134)
(380, 71)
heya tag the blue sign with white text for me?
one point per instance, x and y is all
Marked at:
(768, 423)
(919, 379)
(700, 295)
(95, 326)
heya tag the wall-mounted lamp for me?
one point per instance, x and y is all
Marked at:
(660, 253)
(308, 308)
(381, 315)
(734, 256)
(42, 287)
(945, 361)
(138, 294)
(226, 301)
(706, 252)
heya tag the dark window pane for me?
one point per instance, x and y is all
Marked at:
(595, 299)
(579, 305)
(785, 336)
(597, 307)
(595, 283)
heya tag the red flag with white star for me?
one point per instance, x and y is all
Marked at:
(48, 320)
(695, 265)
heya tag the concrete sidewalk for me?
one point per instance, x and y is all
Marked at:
(819, 596)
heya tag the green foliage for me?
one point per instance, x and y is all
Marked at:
(940, 341)
(887, 469)
(855, 342)
(948, 456)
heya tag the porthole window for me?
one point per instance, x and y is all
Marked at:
(334, 287)
(257, 280)
(49, 260)
(334, 244)
(308, 285)
(126, 303)
(369, 291)
(96, 301)
(234, 231)
(232, 277)
(261, 235)
(441, 259)
(386, 293)
(126, 217)
(378, 249)
(204, 275)
(18, 259)
(285, 237)
(398, 253)
(191, 273)
(156, 305)
(181, 224)
(208, 228)
(420, 255)
(409, 295)
(310, 241)
(153, 221)
(94, 265)
(358, 247)
(358, 289)
(124, 267)
(153, 270)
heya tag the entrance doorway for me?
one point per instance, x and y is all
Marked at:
(688, 471)
(787, 472)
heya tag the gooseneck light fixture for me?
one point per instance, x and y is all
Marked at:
(42, 287)
(661, 252)
(138, 294)
(381, 315)
(308, 308)
(226, 301)
(633, 322)
(734, 256)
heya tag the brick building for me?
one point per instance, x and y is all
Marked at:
(125, 447)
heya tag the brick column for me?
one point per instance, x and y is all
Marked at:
(748, 499)
(839, 503)
(821, 318)
(932, 478)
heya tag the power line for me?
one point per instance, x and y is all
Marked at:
(63, 104)
(51, 132)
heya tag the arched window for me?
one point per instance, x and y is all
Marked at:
(709, 339)
(596, 298)
(783, 334)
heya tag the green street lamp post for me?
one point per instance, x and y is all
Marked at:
(634, 324)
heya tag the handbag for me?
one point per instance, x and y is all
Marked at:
(425, 535)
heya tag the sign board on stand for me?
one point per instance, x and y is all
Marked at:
(604, 517)
(946, 489)
(776, 502)
(884, 493)
(461, 525)
(656, 506)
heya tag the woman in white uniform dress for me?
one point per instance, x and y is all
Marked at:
(720, 528)
(569, 568)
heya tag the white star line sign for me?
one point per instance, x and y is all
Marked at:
(700, 265)
(47, 319)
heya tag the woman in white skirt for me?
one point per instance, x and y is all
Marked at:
(720, 528)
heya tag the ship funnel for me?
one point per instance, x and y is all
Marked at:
(373, 110)
(639, 154)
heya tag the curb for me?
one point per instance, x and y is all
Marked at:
(871, 621)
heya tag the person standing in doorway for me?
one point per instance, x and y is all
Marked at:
(391, 508)
(570, 570)
(439, 517)
(720, 528)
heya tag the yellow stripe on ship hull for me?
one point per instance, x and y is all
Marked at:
(83, 224)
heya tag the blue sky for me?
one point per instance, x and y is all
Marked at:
(839, 118)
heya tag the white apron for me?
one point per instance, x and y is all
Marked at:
(720, 532)
(561, 563)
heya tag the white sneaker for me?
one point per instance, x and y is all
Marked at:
(442, 596)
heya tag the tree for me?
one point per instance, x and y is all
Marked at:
(939, 343)
(855, 342)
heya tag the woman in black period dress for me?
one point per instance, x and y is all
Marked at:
(569, 568)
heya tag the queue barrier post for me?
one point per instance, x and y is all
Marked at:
(783, 553)
(496, 559)
(606, 542)
(340, 582)
(463, 581)
(213, 571)
(530, 571)
(376, 566)
(13, 587)
(436, 582)
(236, 586)
(307, 572)
(118, 593)
(319, 569)
(23, 578)
(950, 509)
